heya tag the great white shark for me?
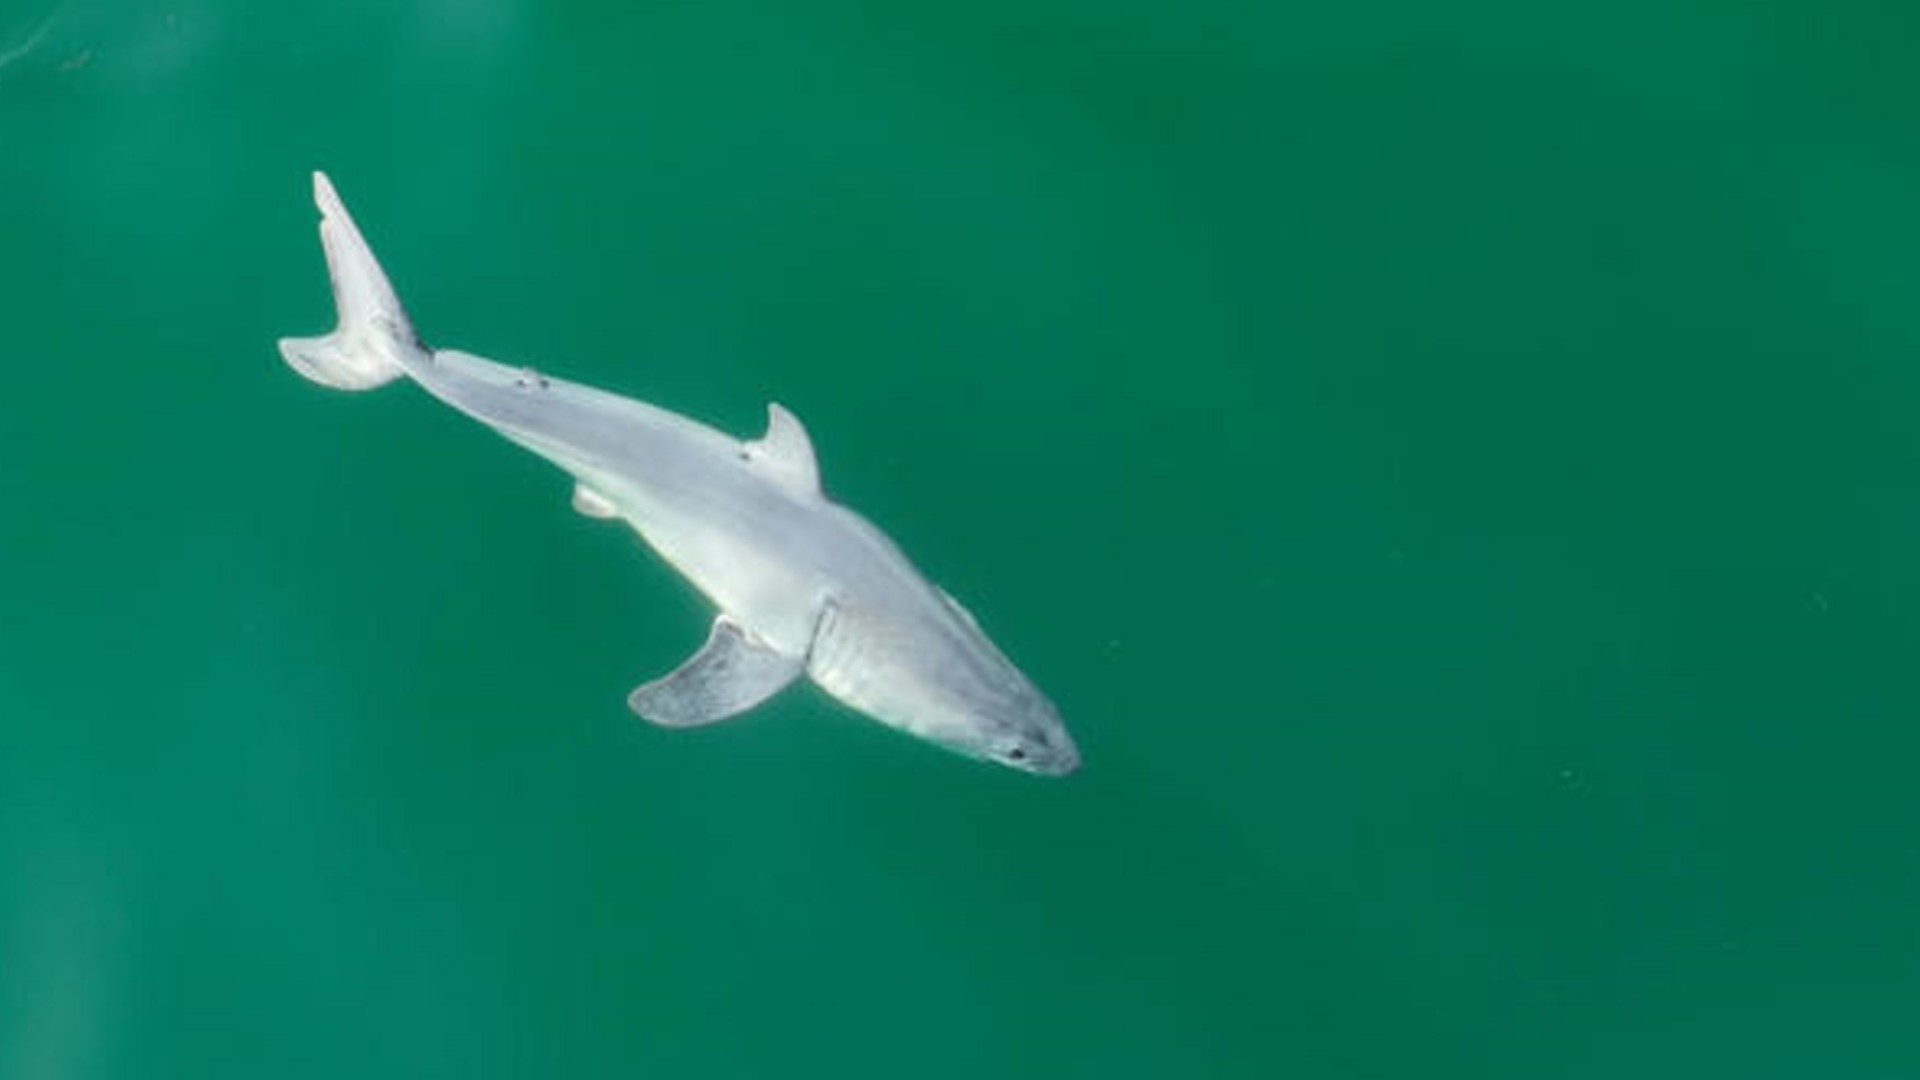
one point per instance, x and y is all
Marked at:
(802, 585)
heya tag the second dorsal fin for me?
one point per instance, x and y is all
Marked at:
(785, 451)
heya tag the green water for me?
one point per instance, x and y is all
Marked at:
(1455, 466)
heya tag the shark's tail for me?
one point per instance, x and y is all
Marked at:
(374, 342)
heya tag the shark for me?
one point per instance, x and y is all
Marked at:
(801, 585)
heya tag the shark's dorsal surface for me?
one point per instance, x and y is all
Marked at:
(802, 585)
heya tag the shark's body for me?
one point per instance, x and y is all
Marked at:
(802, 584)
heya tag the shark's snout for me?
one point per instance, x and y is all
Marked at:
(1049, 760)
(1041, 744)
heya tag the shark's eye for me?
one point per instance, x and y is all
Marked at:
(1016, 754)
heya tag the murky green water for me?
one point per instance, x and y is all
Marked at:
(1455, 466)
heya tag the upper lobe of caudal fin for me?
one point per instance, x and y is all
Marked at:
(374, 339)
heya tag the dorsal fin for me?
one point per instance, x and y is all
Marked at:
(785, 451)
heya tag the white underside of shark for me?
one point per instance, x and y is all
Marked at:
(803, 586)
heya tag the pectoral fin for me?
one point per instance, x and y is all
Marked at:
(732, 672)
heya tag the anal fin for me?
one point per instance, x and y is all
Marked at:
(732, 672)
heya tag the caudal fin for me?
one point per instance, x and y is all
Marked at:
(374, 341)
